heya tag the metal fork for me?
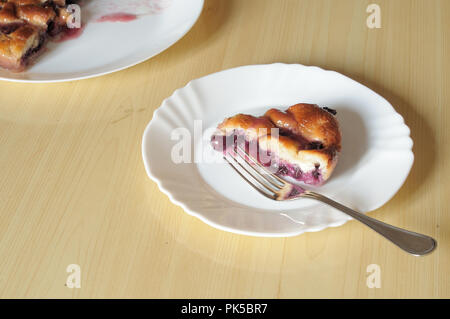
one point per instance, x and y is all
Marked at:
(275, 188)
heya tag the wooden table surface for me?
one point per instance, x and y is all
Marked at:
(73, 189)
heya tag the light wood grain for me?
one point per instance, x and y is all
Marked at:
(73, 187)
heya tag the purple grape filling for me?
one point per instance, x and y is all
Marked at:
(283, 168)
(32, 51)
(313, 177)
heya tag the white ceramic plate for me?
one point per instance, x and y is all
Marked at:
(376, 156)
(107, 47)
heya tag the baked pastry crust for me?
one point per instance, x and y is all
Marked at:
(28, 2)
(36, 15)
(309, 138)
(8, 19)
(17, 46)
(25, 25)
(309, 121)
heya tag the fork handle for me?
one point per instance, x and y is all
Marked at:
(413, 243)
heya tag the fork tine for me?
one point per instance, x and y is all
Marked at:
(255, 174)
(254, 183)
(262, 171)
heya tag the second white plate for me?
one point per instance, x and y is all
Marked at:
(107, 47)
(376, 156)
